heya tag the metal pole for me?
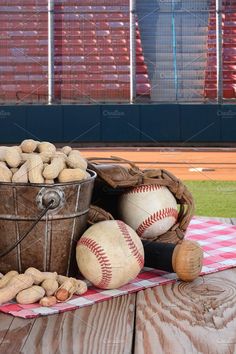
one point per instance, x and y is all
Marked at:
(50, 51)
(132, 51)
(219, 60)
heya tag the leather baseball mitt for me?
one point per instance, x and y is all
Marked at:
(115, 175)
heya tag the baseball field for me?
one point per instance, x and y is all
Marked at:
(209, 173)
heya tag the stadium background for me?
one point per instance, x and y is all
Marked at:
(150, 76)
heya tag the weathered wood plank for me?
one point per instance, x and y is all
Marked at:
(233, 221)
(5, 323)
(191, 318)
(16, 334)
(103, 328)
(223, 220)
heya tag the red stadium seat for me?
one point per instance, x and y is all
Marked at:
(229, 54)
(91, 51)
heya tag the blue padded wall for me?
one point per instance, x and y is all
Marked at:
(12, 124)
(143, 123)
(44, 123)
(160, 123)
(227, 114)
(81, 123)
(120, 123)
(200, 123)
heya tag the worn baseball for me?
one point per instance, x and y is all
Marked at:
(151, 210)
(110, 254)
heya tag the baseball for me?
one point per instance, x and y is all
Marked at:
(150, 210)
(110, 254)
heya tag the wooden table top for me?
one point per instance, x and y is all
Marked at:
(178, 318)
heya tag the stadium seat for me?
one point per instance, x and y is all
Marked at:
(228, 55)
(91, 51)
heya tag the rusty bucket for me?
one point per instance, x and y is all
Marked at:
(51, 218)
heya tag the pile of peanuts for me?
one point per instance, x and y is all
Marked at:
(34, 286)
(41, 162)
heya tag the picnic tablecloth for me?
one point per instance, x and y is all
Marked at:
(218, 241)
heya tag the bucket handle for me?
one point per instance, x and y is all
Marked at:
(41, 215)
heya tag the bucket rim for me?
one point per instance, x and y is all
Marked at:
(92, 173)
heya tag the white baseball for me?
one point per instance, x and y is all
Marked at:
(150, 210)
(110, 254)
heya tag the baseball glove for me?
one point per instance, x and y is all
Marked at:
(115, 175)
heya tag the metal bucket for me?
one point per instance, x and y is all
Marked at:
(50, 245)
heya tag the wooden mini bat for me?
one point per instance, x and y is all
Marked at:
(184, 258)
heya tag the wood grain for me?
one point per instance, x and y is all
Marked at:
(221, 220)
(5, 322)
(191, 318)
(233, 221)
(103, 328)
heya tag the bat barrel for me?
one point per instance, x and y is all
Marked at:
(184, 258)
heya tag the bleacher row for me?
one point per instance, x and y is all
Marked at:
(228, 55)
(92, 60)
(91, 48)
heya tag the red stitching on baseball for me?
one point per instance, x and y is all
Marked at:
(158, 215)
(144, 188)
(102, 258)
(133, 248)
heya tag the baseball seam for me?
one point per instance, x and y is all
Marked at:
(158, 215)
(133, 248)
(145, 188)
(102, 258)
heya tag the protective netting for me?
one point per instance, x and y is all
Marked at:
(228, 52)
(174, 39)
(23, 51)
(175, 51)
(92, 50)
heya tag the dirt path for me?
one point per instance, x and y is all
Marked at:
(197, 164)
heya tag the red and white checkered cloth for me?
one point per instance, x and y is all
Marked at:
(217, 240)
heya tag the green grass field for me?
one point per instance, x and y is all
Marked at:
(214, 198)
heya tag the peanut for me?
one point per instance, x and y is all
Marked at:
(13, 157)
(62, 295)
(46, 147)
(48, 301)
(49, 181)
(39, 276)
(30, 295)
(18, 148)
(7, 277)
(81, 285)
(82, 288)
(69, 287)
(70, 175)
(46, 156)
(5, 173)
(14, 286)
(66, 290)
(21, 176)
(54, 168)
(50, 286)
(29, 145)
(2, 153)
(35, 167)
(66, 150)
(75, 160)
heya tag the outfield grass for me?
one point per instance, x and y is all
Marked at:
(214, 198)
